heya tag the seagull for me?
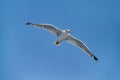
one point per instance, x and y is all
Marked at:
(64, 35)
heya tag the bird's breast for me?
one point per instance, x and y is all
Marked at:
(62, 36)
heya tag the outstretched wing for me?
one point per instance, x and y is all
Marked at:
(74, 41)
(54, 30)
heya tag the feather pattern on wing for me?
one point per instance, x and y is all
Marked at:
(74, 41)
(54, 30)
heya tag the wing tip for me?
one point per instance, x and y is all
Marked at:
(95, 58)
(29, 23)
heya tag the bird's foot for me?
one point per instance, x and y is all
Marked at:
(57, 43)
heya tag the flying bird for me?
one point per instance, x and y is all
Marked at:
(64, 35)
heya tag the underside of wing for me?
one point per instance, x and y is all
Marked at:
(74, 41)
(54, 30)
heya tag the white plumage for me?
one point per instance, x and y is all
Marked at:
(64, 35)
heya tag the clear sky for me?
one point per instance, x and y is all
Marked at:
(28, 53)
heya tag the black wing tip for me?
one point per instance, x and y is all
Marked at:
(29, 23)
(95, 58)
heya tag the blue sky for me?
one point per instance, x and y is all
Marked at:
(28, 53)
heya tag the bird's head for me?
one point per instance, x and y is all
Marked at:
(67, 30)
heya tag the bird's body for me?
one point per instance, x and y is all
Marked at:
(64, 35)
